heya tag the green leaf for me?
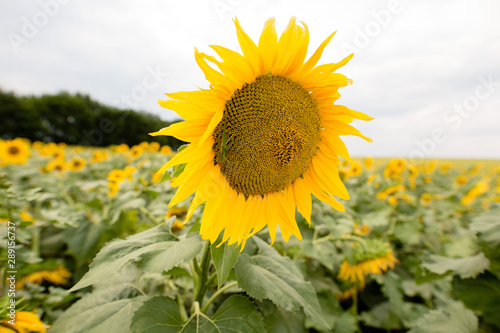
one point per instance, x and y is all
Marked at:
(82, 241)
(161, 315)
(271, 276)
(408, 232)
(224, 256)
(324, 252)
(464, 267)
(488, 226)
(102, 311)
(279, 321)
(156, 250)
(453, 317)
(480, 294)
(377, 218)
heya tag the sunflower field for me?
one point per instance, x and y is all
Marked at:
(90, 245)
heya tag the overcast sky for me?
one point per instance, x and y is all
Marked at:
(428, 71)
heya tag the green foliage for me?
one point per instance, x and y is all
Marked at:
(272, 276)
(480, 294)
(224, 256)
(162, 315)
(464, 267)
(451, 317)
(156, 250)
(135, 271)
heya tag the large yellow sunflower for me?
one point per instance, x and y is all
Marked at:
(264, 137)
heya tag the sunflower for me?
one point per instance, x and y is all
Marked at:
(26, 322)
(14, 151)
(166, 150)
(356, 169)
(136, 151)
(77, 163)
(57, 164)
(154, 147)
(264, 137)
(368, 161)
(58, 276)
(122, 148)
(374, 257)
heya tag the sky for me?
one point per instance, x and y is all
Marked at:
(427, 71)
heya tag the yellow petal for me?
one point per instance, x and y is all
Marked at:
(268, 45)
(313, 60)
(341, 128)
(316, 190)
(187, 111)
(249, 48)
(329, 175)
(299, 51)
(189, 130)
(216, 79)
(216, 118)
(303, 199)
(234, 65)
(333, 110)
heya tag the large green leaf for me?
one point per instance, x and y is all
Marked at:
(109, 308)
(161, 315)
(271, 276)
(224, 256)
(481, 294)
(464, 267)
(156, 250)
(488, 226)
(83, 239)
(453, 317)
(279, 321)
(110, 317)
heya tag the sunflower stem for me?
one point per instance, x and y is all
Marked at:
(202, 275)
(217, 293)
(182, 308)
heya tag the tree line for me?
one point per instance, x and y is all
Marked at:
(76, 119)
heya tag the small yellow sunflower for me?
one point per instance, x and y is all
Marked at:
(395, 168)
(375, 257)
(99, 156)
(26, 322)
(122, 148)
(166, 150)
(461, 180)
(77, 163)
(154, 147)
(57, 276)
(481, 188)
(57, 164)
(14, 151)
(368, 161)
(136, 151)
(356, 169)
(26, 217)
(264, 137)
